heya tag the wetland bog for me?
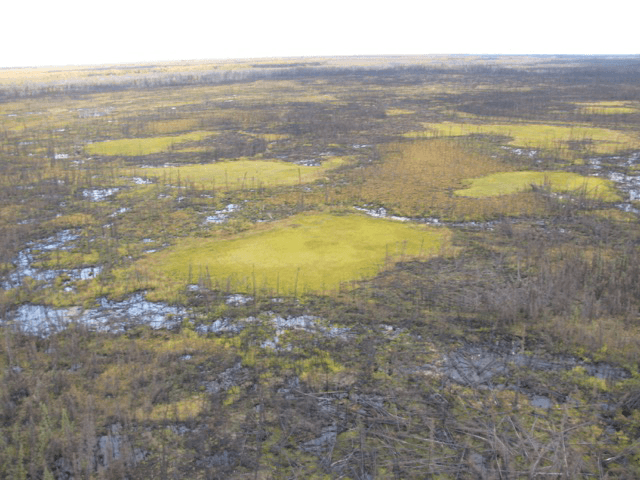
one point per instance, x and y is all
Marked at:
(374, 267)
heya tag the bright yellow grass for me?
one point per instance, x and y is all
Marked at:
(505, 183)
(302, 253)
(180, 411)
(398, 111)
(601, 140)
(240, 174)
(143, 146)
(606, 108)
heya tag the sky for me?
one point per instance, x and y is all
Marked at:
(78, 32)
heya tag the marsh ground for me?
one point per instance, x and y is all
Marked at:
(372, 268)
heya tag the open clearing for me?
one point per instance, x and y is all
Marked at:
(143, 146)
(305, 253)
(505, 183)
(240, 174)
(567, 140)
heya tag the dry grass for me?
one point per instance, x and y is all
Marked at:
(417, 178)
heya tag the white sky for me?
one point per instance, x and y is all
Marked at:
(67, 32)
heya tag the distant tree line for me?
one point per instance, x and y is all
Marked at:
(574, 69)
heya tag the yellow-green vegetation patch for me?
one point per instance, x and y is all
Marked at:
(578, 375)
(316, 369)
(180, 411)
(615, 215)
(606, 108)
(398, 111)
(559, 137)
(505, 183)
(302, 253)
(240, 174)
(70, 259)
(143, 146)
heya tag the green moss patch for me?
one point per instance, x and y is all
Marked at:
(142, 146)
(505, 183)
(303, 253)
(241, 174)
